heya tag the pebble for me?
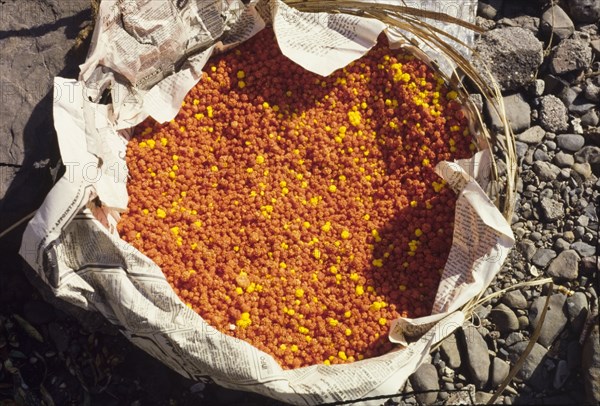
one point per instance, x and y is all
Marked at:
(545, 171)
(584, 169)
(489, 8)
(563, 160)
(589, 154)
(577, 311)
(449, 349)
(531, 369)
(561, 245)
(521, 149)
(553, 210)
(565, 265)
(570, 55)
(504, 319)
(425, 378)
(500, 370)
(590, 119)
(514, 338)
(555, 319)
(515, 299)
(553, 114)
(475, 354)
(570, 142)
(584, 249)
(513, 55)
(543, 256)
(556, 22)
(518, 113)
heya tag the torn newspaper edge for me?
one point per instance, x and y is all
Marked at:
(72, 242)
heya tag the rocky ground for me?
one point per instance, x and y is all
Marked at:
(546, 62)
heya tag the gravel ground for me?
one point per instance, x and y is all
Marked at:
(546, 61)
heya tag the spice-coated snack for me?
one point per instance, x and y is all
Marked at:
(297, 212)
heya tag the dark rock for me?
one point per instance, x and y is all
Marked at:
(518, 113)
(556, 22)
(475, 352)
(500, 370)
(527, 248)
(543, 256)
(449, 348)
(425, 378)
(532, 370)
(565, 265)
(515, 300)
(504, 319)
(577, 310)
(584, 11)
(570, 142)
(563, 160)
(591, 91)
(514, 338)
(521, 149)
(545, 171)
(570, 55)
(561, 245)
(552, 209)
(590, 119)
(553, 114)
(489, 8)
(59, 336)
(590, 365)
(555, 319)
(581, 105)
(533, 135)
(583, 249)
(513, 56)
(541, 155)
(574, 355)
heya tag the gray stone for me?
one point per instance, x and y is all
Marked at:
(475, 352)
(561, 244)
(504, 319)
(527, 248)
(570, 142)
(512, 54)
(574, 355)
(577, 310)
(523, 322)
(541, 155)
(500, 370)
(425, 378)
(489, 8)
(553, 114)
(34, 41)
(545, 171)
(518, 113)
(515, 300)
(584, 249)
(584, 11)
(543, 256)
(569, 56)
(590, 365)
(521, 149)
(563, 160)
(556, 22)
(565, 265)
(514, 338)
(449, 349)
(532, 369)
(591, 91)
(533, 135)
(482, 398)
(553, 210)
(555, 319)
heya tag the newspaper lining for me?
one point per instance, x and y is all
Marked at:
(149, 54)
